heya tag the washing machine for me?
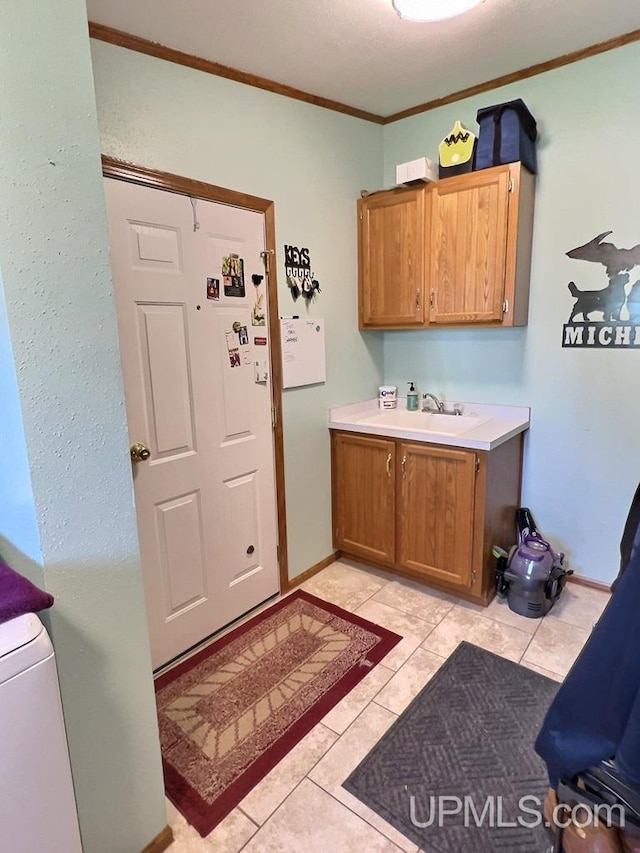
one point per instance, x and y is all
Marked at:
(37, 803)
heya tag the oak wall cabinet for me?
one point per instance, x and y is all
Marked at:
(453, 252)
(430, 512)
(391, 256)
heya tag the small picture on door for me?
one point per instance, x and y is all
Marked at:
(213, 288)
(233, 349)
(233, 275)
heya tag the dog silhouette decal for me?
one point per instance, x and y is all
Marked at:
(609, 316)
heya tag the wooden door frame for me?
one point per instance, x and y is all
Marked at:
(123, 171)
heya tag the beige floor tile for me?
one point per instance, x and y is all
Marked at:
(231, 834)
(383, 575)
(311, 821)
(345, 755)
(344, 713)
(556, 645)
(276, 786)
(174, 818)
(461, 624)
(580, 606)
(343, 585)
(187, 840)
(499, 610)
(554, 676)
(409, 680)
(416, 599)
(412, 629)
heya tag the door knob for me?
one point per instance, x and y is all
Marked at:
(139, 452)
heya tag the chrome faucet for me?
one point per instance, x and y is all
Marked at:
(436, 401)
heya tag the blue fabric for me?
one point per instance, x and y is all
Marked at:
(507, 133)
(596, 712)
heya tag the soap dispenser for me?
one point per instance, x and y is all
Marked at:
(412, 397)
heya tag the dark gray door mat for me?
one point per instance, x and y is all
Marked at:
(465, 742)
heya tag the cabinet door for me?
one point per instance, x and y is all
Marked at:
(468, 247)
(364, 496)
(391, 271)
(435, 513)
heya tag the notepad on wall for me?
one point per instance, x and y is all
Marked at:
(303, 352)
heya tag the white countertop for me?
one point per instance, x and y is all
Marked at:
(481, 427)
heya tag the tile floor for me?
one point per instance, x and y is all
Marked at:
(301, 805)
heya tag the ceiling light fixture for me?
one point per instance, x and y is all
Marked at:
(432, 10)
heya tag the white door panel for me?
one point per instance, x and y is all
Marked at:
(164, 351)
(206, 498)
(178, 527)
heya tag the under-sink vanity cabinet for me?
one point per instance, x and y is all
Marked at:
(364, 496)
(474, 262)
(430, 510)
(435, 512)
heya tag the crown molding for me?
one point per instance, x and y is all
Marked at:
(160, 51)
(515, 76)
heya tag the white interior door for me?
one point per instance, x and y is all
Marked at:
(198, 397)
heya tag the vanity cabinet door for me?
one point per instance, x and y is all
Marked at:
(364, 496)
(436, 491)
(391, 246)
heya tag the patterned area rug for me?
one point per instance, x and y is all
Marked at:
(467, 738)
(231, 712)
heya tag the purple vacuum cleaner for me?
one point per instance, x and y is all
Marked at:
(531, 576)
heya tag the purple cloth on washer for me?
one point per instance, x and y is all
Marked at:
(19, 596)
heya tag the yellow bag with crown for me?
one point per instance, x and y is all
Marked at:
(456, 151)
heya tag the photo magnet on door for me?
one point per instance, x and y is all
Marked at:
(233, 275)
(258, 315)
(232, 349)
(213, 288)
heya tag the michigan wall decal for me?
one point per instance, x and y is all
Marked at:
(609, 316)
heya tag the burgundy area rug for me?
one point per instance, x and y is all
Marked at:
(231, 712)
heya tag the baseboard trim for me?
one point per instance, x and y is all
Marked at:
(161, 842)
(578, 579)
(309, 573)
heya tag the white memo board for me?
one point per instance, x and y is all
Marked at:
(303, 352)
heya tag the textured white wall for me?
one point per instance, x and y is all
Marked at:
(55, 272)
(313, 164)
(582, 459)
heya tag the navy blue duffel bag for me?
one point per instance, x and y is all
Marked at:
(508, 133)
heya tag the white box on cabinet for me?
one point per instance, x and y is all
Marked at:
(414, 171)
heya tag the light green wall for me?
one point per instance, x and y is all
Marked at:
(67, 416)
(583, 458)
(72, 523)
(312, 163)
